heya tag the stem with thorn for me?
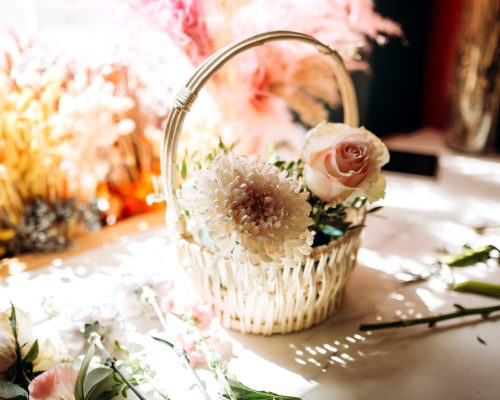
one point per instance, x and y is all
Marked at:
(431, 321)
(150, 299)
(111, 363)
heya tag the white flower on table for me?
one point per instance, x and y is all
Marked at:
(342, 162)
(253, 211)
(103, 319)
(133, 290)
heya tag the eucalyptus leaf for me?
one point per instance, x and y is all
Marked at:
(32, 353)
(79, 391)
(11, 391)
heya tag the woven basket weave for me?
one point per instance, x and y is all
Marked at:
(279, 300)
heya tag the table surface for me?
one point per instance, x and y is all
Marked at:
(458, 359)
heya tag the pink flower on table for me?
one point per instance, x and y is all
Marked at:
(342, 162)
(201, 314)
(198, 313)
(189, 342)
(55, 384)
(215, 340)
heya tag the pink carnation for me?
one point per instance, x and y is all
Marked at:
(55, 384)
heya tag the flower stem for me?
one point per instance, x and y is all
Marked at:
(431, 321)
(214, 361)
(152, 382)
(111, 363)
(153, 303)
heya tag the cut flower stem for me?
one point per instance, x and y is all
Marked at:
(153, 303)
(433, 320)
(109, 360)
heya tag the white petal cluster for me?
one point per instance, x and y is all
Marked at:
(253, 211)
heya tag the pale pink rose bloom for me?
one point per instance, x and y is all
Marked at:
(7, 341)
(342, 162)
(55, 384)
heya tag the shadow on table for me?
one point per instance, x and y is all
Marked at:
(337, 344)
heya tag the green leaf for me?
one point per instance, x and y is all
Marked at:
(32, 353)
(184, 169)
(483, 288)
(11, 391)
(13, 322)
(243, 392)
(79, 392)
(16, 373)
(110, 394)
(102, 383)
(332, 231)
(374, 209)
(95, 378)
(469, 256)
(171, 345)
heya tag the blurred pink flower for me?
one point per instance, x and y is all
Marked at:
(55, 384)
(184, 20)
(339, 23)
(256, 92)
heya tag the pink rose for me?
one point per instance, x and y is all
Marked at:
(342, 162)
(55, 384)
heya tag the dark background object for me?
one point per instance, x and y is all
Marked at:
(412, 163)
(409, 83)
(398, 69)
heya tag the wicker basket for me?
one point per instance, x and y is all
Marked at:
(282, 300)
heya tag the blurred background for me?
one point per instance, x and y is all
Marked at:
(86, 85)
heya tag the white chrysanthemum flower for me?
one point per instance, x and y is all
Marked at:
(253, 211)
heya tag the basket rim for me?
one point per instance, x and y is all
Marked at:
(186, 239)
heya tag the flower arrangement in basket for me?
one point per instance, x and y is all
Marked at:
(271, 245)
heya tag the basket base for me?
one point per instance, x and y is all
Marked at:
(282, 300)
(279, 327)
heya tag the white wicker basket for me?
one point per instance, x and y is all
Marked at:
(280, 300)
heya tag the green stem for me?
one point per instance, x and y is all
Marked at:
(214, 361)
(152, 382)
(153, 303)
(431, 321)
(111, 363)
(478, 287)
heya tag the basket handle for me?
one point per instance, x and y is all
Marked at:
(187, 95)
